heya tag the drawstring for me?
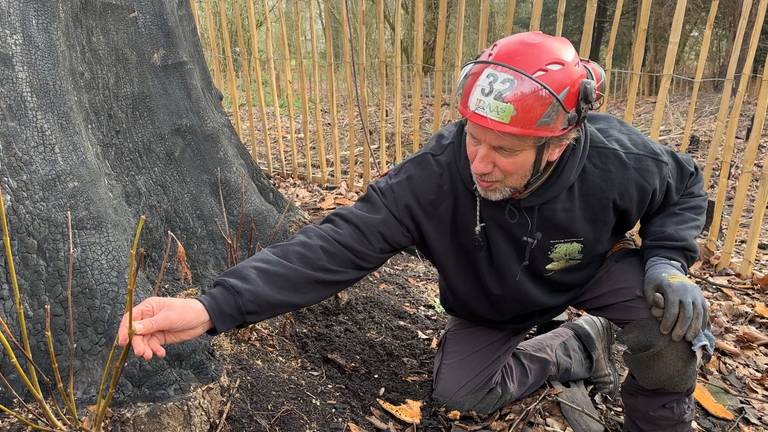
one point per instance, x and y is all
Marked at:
(531, 241)
(478, 226)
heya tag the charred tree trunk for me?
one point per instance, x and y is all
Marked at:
(107, 110)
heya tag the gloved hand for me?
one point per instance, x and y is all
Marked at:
(681, 305)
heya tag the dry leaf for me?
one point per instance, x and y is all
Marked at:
(762, 281)
(750, 334)
(416, 378)
(454, 415)
(181, 261)
(435, 343)
(761, 309)
(354, 428)
(378, 424)
(327, 203)
(705, 399)
(409, 412)
(727, 347)
(343, 201)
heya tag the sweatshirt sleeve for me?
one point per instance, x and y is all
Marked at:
(670, 226)
(316, 263)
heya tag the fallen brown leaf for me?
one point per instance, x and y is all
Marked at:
(761, 309)
(708, 402)
(343, 201)
(416, 378)
(762, 281)
(327, 203)
(750, 334)
(409, 412)
(354, 428)
(378, 424)
(454, 415)
(727, 347)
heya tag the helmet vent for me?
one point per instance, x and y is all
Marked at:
(554, 66)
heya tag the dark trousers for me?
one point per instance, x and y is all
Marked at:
(483, 368)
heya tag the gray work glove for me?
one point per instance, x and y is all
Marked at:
(674, 299)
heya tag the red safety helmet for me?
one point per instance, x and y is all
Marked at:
(529, 84)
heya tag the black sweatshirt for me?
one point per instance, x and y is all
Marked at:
(510, 263)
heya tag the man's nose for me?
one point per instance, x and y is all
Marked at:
(482, 163)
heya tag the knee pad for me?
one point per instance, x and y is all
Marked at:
(655, 360)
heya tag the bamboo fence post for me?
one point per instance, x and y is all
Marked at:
(331, 85)
(259, 87)
(609, 56)
(745, 179)
(725, 99)
(761, 201)
(439, 47)
(589, 26)
(536, 15)
(397, 78)
(730, 135)
(509, 19)
(273, 87)
(459, 48)
(288, 80)
(418, 58)
(351, 142)
(214, 44)
(316, 76)
(638, 50)
(233, 99)
(482, 26)
(331, 88)
(246, 78)
(669, 67)
(382, 87)
(561, 17)
(363, 93)
(298, 31)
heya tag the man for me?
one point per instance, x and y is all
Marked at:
(523, 206)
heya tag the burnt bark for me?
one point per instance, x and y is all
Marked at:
(107, 110)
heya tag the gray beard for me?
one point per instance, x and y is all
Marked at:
(496, 194)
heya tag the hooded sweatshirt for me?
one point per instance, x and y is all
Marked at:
(511, 263)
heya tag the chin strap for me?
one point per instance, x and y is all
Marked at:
(538, 163)
(539, 173)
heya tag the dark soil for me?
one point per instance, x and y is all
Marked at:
(324, 366)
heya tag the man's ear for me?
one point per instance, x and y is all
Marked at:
(555, 150)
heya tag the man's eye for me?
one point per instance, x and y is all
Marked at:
(504, 151)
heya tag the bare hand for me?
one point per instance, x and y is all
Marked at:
(158, 321)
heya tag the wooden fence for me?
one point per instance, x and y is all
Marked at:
(349, 115)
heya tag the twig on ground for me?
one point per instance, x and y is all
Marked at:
(527, 411)
(579, 409)
(228, 406)
(735, 422)
(716, 284)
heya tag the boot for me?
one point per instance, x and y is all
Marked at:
(596, 334)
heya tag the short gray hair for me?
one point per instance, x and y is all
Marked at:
(566, 138)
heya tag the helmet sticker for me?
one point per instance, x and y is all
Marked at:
(488, 95)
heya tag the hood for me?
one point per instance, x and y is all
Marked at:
(564, 175)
